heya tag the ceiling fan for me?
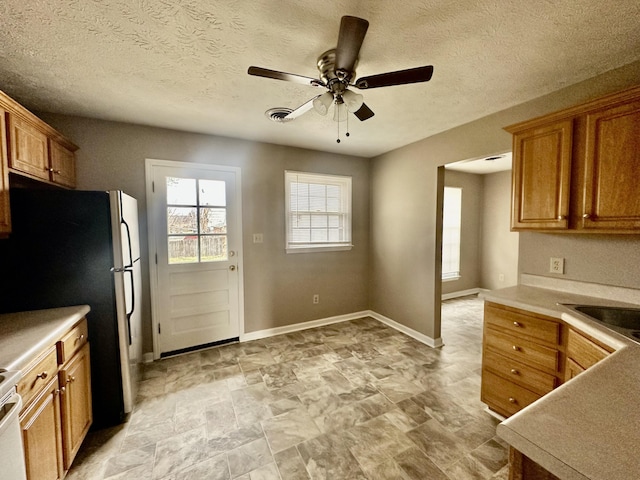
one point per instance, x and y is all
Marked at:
(337, 73)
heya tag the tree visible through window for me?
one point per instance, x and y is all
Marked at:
(196, 220)
(318, 209)
(451, 223)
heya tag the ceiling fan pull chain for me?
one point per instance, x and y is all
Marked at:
(338, 122)
(347, 134)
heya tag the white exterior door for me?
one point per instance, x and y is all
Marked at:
(195, 225)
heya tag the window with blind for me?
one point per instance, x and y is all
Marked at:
(318, 212)
(451, 223)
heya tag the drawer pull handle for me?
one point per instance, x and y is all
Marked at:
(80, 338)
(42, 375)
(515, 372)
(517, 324)
(512, 400)
(516, 348)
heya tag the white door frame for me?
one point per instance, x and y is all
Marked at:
(151, 228)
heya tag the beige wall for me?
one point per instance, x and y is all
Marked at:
(499, 243)
(404, 244)
(605, 259)
(394, 267)
(471, 230)
(278, 287)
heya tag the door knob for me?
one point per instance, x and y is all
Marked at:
(232, 267)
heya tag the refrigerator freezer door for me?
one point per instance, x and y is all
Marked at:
(129, 219)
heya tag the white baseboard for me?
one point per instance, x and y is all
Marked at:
(270, 332)
(463, 293)
(421, 337)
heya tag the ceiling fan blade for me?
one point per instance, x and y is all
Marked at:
(301, 110)
(401, 77)
(287, 77)
(350, 38)
(363, 113)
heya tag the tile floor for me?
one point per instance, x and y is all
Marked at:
(354, 400)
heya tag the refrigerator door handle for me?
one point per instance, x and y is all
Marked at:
(126, 226)
(133, 303)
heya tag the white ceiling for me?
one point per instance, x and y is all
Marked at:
(182, 63)
(484, 165)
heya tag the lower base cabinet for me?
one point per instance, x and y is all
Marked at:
(522, 467)
(42, 435)
(57, 416)
(76, 403)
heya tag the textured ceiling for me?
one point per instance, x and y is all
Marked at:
(182, 63)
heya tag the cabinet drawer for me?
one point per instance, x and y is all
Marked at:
(524, 351)
(583, 351)
(521, 324)
(37, 375)
(520, 373)
(73, 341)
(503, 396)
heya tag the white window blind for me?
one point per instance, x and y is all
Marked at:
(318, 212)
(451, 222)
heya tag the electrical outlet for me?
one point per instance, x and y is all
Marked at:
(501, 277)
(257, 238)
(556, 265)
(316, 298)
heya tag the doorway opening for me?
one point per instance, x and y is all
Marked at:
(484, 254)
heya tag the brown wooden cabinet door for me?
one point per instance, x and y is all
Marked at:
(41, 437)
(5, 211)
(29, 150)
(612, 168)
(76, 403)
(542, 177)
(63, 165)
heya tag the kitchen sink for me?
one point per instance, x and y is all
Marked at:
(621, 319)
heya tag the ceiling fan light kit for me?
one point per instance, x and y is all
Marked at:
(337, 71)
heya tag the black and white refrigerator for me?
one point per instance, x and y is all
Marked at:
(70, 247)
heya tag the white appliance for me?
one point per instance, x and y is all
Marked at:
(11, 452)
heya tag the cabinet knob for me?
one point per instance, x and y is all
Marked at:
(62, 390)
(517, 324)
(42, 375)
(79, 338)
(516, 348)
(512, 400)
(515, 372)
(57, 172)
(71, 379)
(562, 217)
(586, 215)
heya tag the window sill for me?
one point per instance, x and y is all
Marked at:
(451, 279)
(336, 248)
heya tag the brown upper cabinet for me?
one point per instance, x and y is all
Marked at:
(577, 170)
(30, 149)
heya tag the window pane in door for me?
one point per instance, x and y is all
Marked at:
(183, 249)
(213, 220)
(181, 220)
(213, 193)
(214, 248)
(181, 191)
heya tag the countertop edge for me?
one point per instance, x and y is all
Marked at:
(57, 320)
(549, 302)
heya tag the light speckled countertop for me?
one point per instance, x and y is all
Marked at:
(587, 429)
(23, 335)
